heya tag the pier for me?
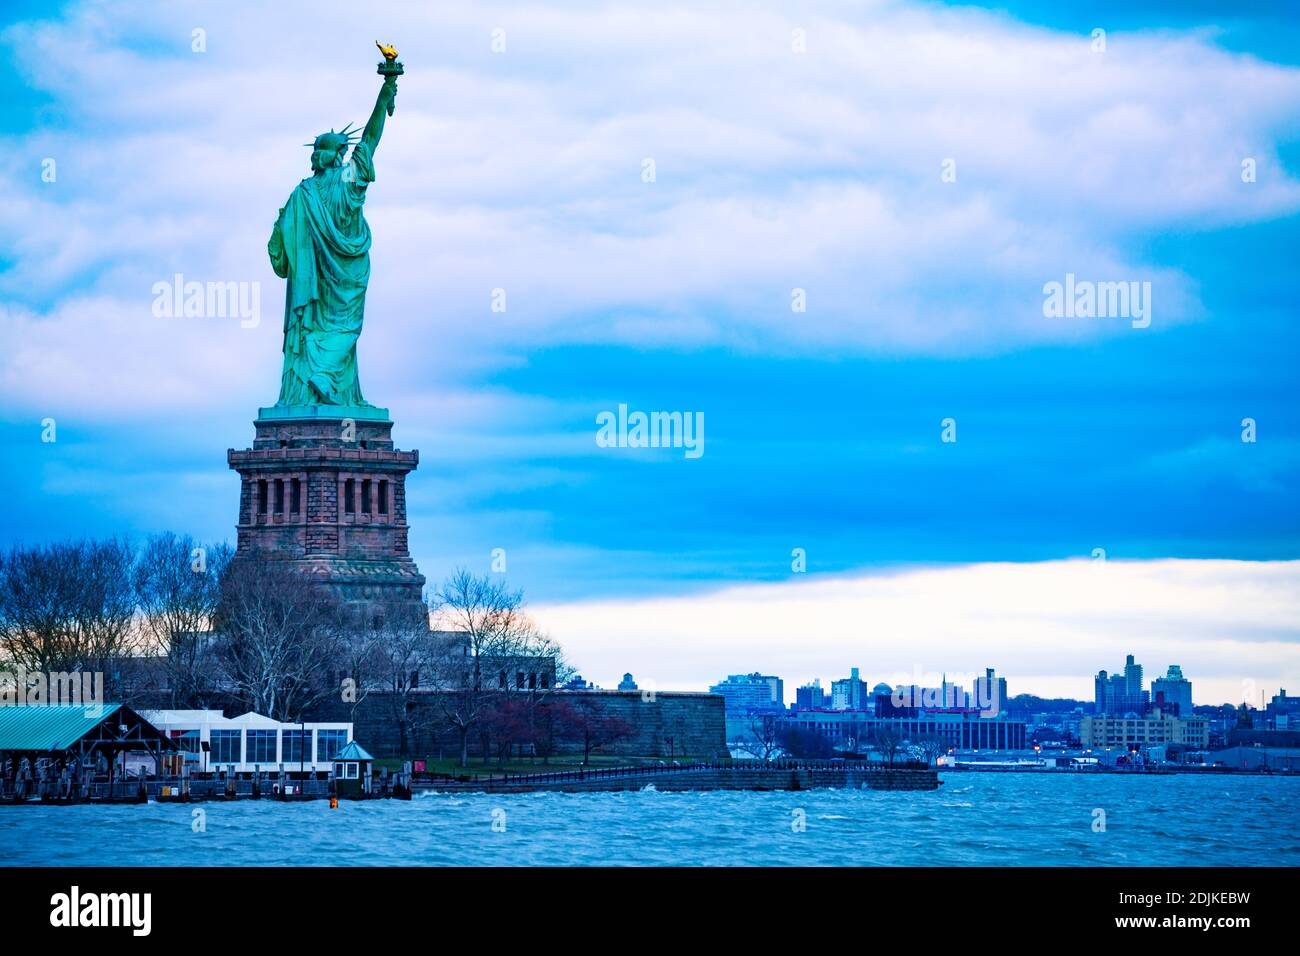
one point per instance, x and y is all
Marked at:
(37, 789)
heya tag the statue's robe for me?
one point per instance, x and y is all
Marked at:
(321, 244)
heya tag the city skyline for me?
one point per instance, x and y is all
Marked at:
(1097, 613)
(1173, 674)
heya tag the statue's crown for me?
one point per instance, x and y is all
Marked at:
(331, 141)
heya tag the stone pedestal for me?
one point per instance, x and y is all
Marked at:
(327, 491)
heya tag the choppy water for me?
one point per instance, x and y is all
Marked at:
(974, 819)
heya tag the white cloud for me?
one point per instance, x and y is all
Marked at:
(522, 170)
(1048, 627)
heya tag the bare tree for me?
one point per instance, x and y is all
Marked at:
(930, 747)
(482, 633)
(886, 741)
(178, 585)
(40, 607)
(279, 637)
(70, 607)
(405, 651)
(361, 661)
(764, 740)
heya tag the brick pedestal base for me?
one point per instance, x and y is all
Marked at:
(329, 495)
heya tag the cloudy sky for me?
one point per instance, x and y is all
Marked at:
(919, 171)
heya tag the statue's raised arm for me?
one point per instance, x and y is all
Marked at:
(390, 69)
(383, 106)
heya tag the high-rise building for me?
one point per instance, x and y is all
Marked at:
(989, 692)
(1132, 678)
(777, 687)
(1120, 693)
(810, 696)
(850, 693)
(1173, 691)
(745, 693)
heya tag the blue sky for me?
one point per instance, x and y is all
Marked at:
(775, 170)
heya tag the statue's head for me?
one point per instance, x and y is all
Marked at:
(328, 148)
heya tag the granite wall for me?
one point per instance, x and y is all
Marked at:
(667, 724)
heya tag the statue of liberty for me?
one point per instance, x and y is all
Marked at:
(321, 244)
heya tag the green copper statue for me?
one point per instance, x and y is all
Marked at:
(321, 244)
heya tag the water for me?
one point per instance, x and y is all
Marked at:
(974, 819)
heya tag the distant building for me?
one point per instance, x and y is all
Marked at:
(1056, 729)
(1282, 712)
(1138, 733)
(627, 683)
(989, 692)
(810, 696)
(1173, 692)
(962, 730)
(746, 693)
(849, 693)
(1120, 693)
(1255, 758)
(1257, 737)
(778, 690)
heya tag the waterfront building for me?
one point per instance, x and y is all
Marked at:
(1256, 758)
(81, 735)
(352, 769)
(1137, 733)
(208, 740)
(746, 693)
(849, 693)
(1173, 692)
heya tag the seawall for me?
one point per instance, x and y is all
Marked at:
(783, 776)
